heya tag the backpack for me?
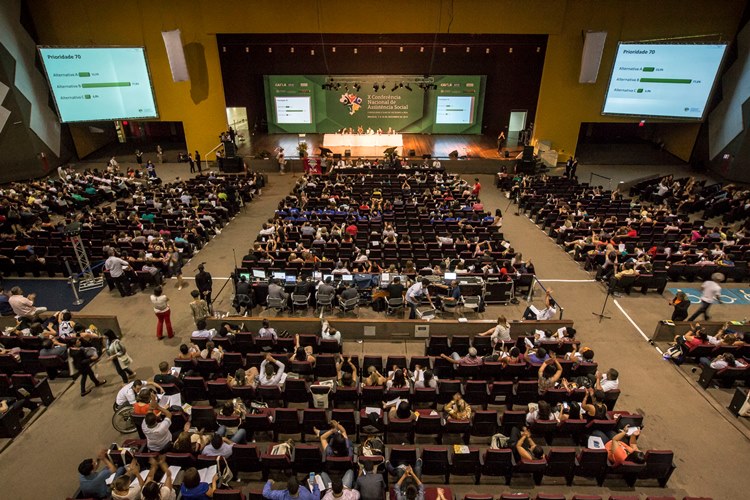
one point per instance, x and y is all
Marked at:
(373, 446)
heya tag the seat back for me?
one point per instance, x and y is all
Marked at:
(561, 462)
(435, 462)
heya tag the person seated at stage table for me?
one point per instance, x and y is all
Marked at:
(379, 131)
(360, 130)
(370, 131)
(391, 131)
(348, 293)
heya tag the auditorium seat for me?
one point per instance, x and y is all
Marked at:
(435, 462)
(466, 464)
(498, 463)
(592, 463)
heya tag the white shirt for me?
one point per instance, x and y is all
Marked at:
(276, 379)
(127, 395)
(414, 292)
(157, 437)
(609, 385)
(204, 334)
(710, 292)
(115, 266)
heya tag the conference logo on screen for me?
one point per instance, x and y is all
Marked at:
(351, 101)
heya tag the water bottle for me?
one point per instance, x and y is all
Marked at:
(312, 480)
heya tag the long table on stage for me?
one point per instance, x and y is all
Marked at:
(389, 140)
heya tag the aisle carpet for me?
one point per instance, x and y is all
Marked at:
(54, 294)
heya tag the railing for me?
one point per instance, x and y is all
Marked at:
(591, 179)
(205, 158)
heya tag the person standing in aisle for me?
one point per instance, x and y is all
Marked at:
(116, 267)
(159, 154)
(139, 157)
(204, 284)
(710, 294)
(163, 313)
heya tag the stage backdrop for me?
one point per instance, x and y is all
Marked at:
(301, 104)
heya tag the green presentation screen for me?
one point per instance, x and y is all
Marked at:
(99, 83)
(301, 104)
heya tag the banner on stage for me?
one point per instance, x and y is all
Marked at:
(372, 104)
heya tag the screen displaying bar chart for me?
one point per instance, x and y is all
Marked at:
(663, 80)
(99, 83)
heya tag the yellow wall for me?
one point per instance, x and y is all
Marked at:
(563, 102)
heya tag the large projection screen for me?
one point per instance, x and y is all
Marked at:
(663, 80)
(99, 83)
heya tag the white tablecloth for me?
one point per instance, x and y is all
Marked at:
(388, 140)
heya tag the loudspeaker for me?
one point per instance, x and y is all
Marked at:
(347, 152)
(412, 152)
(528, 153)
(176, 55)
(593, 47)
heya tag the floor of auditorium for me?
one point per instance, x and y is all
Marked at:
(710, 444)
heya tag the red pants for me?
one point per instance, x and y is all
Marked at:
(161, 319)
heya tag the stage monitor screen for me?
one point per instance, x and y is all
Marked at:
(291, 279)
(279, 275)
(290, 110)
(455, 109)
(326, 276)
(99, 83)
(328, 104)
(347, 278)
(259, 273)
(449, 276)
(245, 275)
(663, 80)
(317, 275)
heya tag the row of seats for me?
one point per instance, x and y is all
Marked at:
(441, 461)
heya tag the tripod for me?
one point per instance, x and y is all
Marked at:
(601, 315)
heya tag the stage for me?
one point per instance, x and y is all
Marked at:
(438, 146)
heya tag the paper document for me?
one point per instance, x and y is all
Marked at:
(171, 400)
(633, 430)
(207, 474)
(369, 410)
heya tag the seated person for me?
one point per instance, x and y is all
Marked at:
(271, 371)
(608, 381)
(53, 347)
(129, 484)
(266, 331)
(548, 375)
(549, 311)
(398, 379)
(543, 413)
(586, 355)
(292, 491)
(346, 377)
(499, 332)
(92, 483)
(457, 408)
(409, 486)
(523, 446)
(212, 352)
(242, 378)
(619, 451)
(374, 377)
(335, 442)
(401, 410)
(370, 484)
(424, 378)
(328, 333)
(194, 489)
(189, 352)
(471, 359)
(218, 447)
(165, 376)
(201, 331)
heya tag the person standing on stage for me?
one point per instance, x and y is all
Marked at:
(573, 168)
(568, 167)
(501, 141)
(192, 163)
(159, 154)
(198, 160)
(280, 159)
(204, 284)
(139, 157)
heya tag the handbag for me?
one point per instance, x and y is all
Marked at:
(223, 471)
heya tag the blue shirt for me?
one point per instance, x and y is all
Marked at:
(94, 484)
(197, 493)
(5, 309)
(304, 493)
